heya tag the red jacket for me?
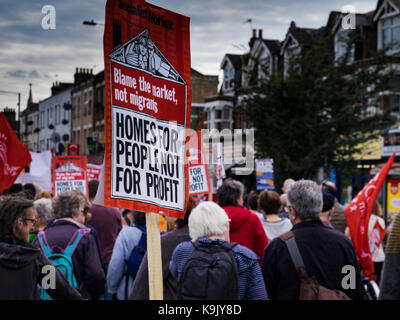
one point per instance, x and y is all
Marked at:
(246, 229)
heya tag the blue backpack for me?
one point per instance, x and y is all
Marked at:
(135, 259)
(61, 260)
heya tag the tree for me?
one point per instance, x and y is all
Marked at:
(319, 113)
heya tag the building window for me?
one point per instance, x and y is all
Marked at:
(341, 46)
(390, 33)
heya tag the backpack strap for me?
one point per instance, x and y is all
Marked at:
(290, 241)
(73, 243)
(44, 244)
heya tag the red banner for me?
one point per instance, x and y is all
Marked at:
(148, 100)
(69, 173)
(358, 213)
(14, 155)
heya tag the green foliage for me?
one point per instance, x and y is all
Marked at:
(318, 114)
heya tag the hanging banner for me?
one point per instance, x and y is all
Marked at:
(148, 99)
(358, 213)
(69, 173)
(93, 171)
(39, 171)
(265, 174)
(199, 181)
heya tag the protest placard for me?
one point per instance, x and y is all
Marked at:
(147, 111)
(93, 171)
(265, 174)
(147, 75)
(199, 181)
(69, 173)
(39, 171)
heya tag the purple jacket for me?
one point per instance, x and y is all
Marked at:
(107, 222)
(87, 265)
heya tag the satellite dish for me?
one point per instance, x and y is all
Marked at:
(55, 137)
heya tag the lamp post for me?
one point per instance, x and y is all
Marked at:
(92, 23)
(19, 108)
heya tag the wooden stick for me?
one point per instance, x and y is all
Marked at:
(154, 256)
(23, 176)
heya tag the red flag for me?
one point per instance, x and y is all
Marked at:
(358, 213)
(14, 155)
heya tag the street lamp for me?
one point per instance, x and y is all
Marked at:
(92, 23)
(19, 108)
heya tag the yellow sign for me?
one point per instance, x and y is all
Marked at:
(371, 150)
(393, 198)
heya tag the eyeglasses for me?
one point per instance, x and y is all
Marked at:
(34, 221)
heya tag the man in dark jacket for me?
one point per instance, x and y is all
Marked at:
(22, 266)
(69, 210)
(325, 251)
(338, 219)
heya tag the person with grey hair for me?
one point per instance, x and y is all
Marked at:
(325, 251)
(209, 231)
(70, 210)
(44, 210)
(245, 226)
(286, 185)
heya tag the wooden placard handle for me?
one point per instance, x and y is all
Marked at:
(154, 256)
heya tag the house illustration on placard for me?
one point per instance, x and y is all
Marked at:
(141, 53)
(69, 167)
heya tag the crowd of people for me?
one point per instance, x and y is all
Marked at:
(67, 247)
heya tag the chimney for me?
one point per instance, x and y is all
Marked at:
(260, 33)
(253, 38)
(82, 74)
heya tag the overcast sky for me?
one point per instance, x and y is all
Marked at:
(30, 54)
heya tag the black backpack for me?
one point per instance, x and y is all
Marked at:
(210, 273)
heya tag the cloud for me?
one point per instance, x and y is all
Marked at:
(30, 54)
(16, 74)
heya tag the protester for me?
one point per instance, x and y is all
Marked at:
(283, 212)
(119, 283)
(15, 188)
(169, 241)
(69, 210)
(43, 194)
(209, 227)
(324, 251)
(245, 227)
(338, 219)
(30, 191)
(21, 264)
(379, 256)
(286, 185)
(127, 217)
(390, 277)
(44, 210)
(107, 222)
(253, 205)
(328, 207)
(269, 204)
